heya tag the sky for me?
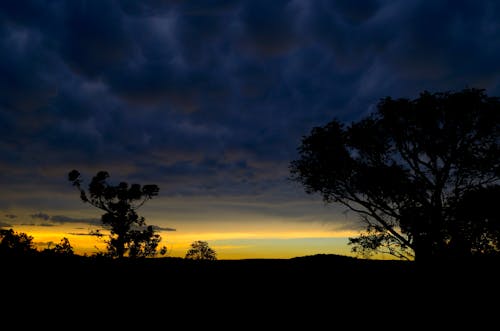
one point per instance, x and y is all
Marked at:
(210, 100)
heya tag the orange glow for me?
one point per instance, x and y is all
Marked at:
(228, 245)
(233, 235)
(82, 244)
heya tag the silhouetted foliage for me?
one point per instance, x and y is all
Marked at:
(129, 234)
(14, 243)
(64, 248)
(423, 174)
(201, 251)
(477, 222)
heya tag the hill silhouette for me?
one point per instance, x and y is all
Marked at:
(317, 290)
(305, 272)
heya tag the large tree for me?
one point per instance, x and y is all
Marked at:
(422, 173)
(129, 234)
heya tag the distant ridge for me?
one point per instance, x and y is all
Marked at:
(325, 257)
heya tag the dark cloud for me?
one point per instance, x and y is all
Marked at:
(11, 216)
(95, 38)
(61, 219)
(27, 83)
(212, 97)
(155, 228)
(41, 216)
(355, 12)
(38, 224)
(159, 228)
(5, 225)
(148, 8)
(66, 219)
(43, 224)
(92, 234)
(269, 27)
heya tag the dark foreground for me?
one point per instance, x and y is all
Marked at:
(322, 286)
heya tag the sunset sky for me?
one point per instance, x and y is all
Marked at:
(209, 100)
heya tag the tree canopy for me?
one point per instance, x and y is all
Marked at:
(129, 234)
(200, 250)
(21, 244)
(64, 248)
(423, 174)
(16, 243)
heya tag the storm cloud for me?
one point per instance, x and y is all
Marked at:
(213, 97)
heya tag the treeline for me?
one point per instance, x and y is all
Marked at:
(21, 244)
(16, 244)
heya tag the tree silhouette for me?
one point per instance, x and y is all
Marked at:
(201, 251)
(476, 228)
(64, 248)
(14, 243)
(128, 231)
(415, 171)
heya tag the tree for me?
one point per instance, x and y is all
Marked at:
(201, 251)
(477, 222)
(414, 171)
(64, 248)
(14, 243)
(128, 231)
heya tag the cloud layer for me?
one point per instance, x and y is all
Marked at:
(212, 97)
(48, 220)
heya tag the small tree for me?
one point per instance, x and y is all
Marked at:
(201, 251)
(128, 231)
(14, 243)
(64, 248)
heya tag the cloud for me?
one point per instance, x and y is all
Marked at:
(66, 219)
(269, 27)
(5, 225)
(41, 216)
(38, 224)
(212, 98)
(43, 224)
(159, 228)
(11, 216)
(155, 228)
(61, 219)
(93, 48)
(92, 234)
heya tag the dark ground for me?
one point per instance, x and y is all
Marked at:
(318, 289)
